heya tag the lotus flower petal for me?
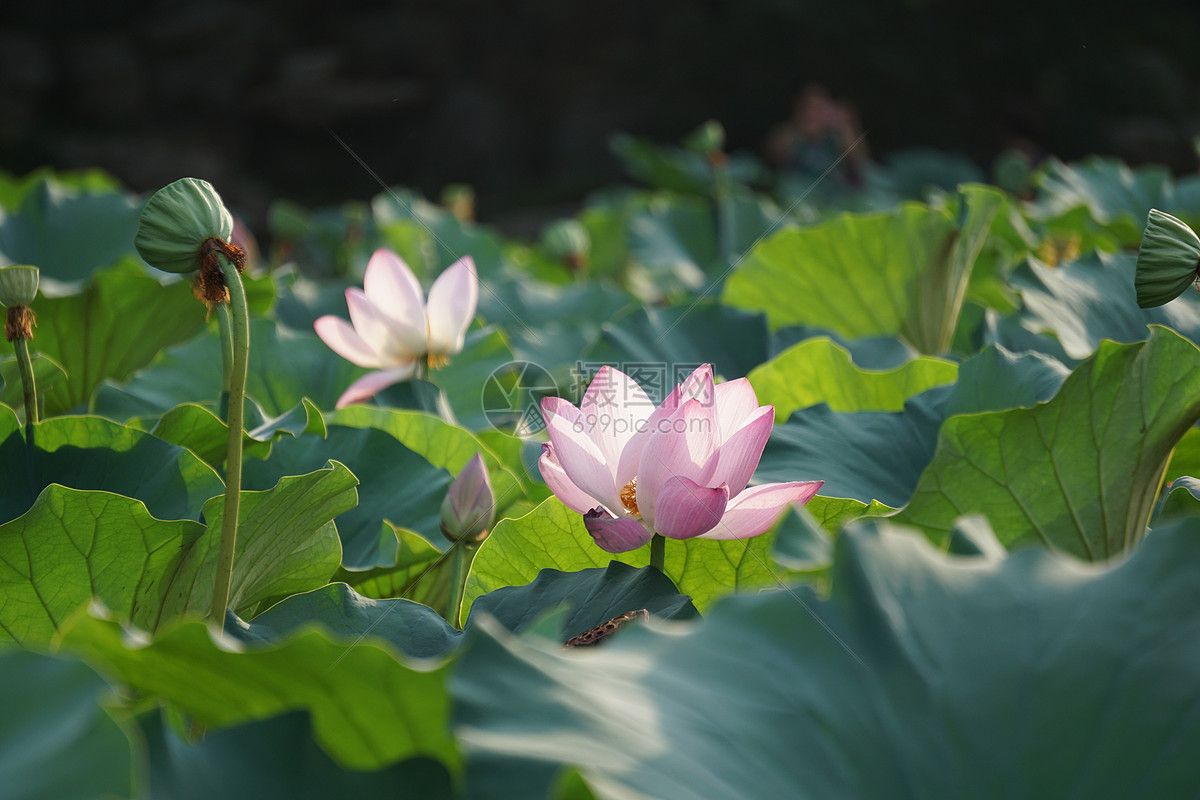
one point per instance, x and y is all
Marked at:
(452, 300)
(396, 292)
(368, 385)
(614, 408)
(578, 455)
(612, 534)
(564, 489)
(686, 509)
(741, 452)
(755, 510)
(372, 326)
(736, 404)
(687, 447)
(342, 339)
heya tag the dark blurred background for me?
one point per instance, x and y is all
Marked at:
(519, 99)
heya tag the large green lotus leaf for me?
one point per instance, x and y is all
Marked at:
(995, 379)
(57, 741)
(1180, 498)
(553, 537)
(870, 455)
(547, 324)
(1080, 472)
(588, 598)
(832, 513)
(441, 444)
(369, 708)
(821, 371)
(901, 273)
(924, 675)
(302, 300)
(1185, 461)
(116, 325)
(673, 341)
(872, 352)
(247, 762)
(286, 543)
(47, 373)
(430, 238)
(462, 380)
(96, 453)
(72, 546)
(673, 239)
(864, 455)
(68, 233)
(204, 433)
(802, 543)
(398, 485)
(1116, 196)
(285, 367)
(411, 628)
(423, 572)
(1092, 299)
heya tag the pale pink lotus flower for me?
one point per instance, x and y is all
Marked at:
(394, 328)
(680, 470)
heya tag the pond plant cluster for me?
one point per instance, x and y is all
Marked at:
(731, 485)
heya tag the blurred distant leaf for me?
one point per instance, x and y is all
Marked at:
(68, 233)
(57, 739)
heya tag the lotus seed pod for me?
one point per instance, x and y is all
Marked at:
(177, 220)
(708, 138)
(18, 285)
(1167, 260)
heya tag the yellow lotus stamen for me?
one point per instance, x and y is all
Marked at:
(438, 360)
(628, 497)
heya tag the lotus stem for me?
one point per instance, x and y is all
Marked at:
(240, 339)
(658, 552)
(225, 332)
(458, 580)
(25, 365)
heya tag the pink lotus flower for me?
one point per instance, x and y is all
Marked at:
(679, 470)
(393, 326)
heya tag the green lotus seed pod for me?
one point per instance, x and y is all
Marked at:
(565, 238)
(177, 220)
(707, 138)
(18, 285)
(1167, 261)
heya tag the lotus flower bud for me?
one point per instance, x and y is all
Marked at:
(18, 285)
(708, 138)
(470, 505)
(1167, 261)
(568, 241)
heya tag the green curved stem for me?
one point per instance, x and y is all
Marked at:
(233, 459)
(225, 333)
(658, 552)
(25, 365)
(458, 580)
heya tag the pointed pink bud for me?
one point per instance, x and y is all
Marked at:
(470, 505)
